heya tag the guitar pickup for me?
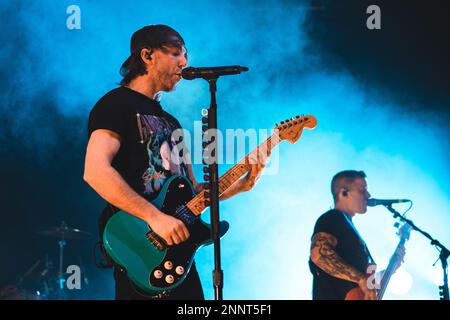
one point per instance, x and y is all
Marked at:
(156, 240)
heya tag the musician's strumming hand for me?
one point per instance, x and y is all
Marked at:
(369, 294)
(172, 230)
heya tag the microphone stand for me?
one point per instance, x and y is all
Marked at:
(443, 256)
(212, 172)
(214, 186)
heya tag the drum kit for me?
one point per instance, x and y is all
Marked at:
(42, 281)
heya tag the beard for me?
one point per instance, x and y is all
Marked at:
(169, 83)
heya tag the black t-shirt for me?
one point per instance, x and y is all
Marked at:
(350, 247)
(151, 150)
(149, 153)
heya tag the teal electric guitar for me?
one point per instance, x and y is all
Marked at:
(155, 267)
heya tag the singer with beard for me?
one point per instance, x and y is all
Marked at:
(131, 148)
(340, 259)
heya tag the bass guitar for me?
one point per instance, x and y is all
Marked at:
(394, 263)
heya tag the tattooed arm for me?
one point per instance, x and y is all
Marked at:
(325, 257)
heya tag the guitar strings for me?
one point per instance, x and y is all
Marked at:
(239, 169)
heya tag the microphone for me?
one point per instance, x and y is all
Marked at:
(372, 202)
(192, 73)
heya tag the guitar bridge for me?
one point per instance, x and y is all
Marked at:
(156, 240)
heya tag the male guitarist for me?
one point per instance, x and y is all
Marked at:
(340, 259)
(131, 151)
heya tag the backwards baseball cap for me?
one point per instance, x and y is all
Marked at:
(152, 36)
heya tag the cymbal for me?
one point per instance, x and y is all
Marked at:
(62, 232)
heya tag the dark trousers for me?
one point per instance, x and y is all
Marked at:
(189, 289)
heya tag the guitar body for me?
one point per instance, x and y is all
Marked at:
(155, 268)
(355, 294)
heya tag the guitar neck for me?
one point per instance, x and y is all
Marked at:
(393, 264)
(197, 204)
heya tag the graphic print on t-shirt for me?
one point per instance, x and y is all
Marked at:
(163, 152)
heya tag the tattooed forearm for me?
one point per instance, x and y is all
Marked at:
(324, 256)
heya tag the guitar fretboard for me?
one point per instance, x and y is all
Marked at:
(393, 263)
(197, 204)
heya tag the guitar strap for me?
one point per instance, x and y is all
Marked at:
(366, 249)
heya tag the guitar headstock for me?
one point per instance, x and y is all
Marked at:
(291, 130)
(404, 231)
